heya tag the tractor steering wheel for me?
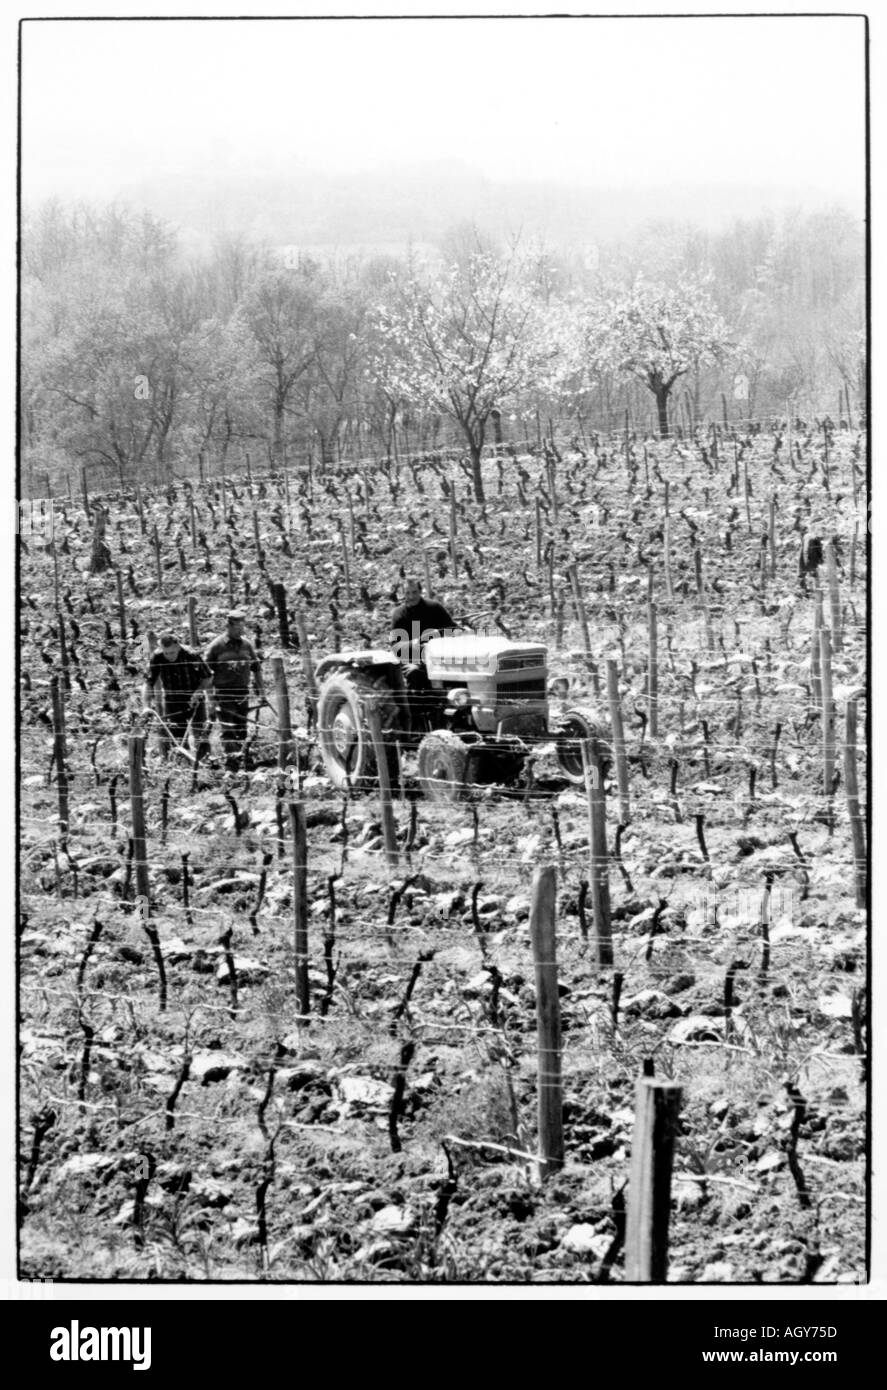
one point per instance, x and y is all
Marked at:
(470, 620)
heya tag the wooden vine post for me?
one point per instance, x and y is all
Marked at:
(548, 1020)
(300, 906)
(657, 1104)
(851, 787)
(307, 666)
(60, 755)
(286, 498)
(427, 568)
(653, 672)
(828, 713)
(666, 546)
(598, 855)
(746, 490)
(453, 558)
(121, 606)
(582, 618)
(346, 567)
(538, 534)
(559, 623)
(137, 810)
(366, 489)
(378, 735)
(552, 487)
(55, 573)
(697, 568)
(193, 636)
(157, 565)
(282, 703)
(618, 732)
(815, 653)
(771, 536)
(283, 622)
(834, 597)
(352, 534)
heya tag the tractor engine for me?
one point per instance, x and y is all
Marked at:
(501, 686)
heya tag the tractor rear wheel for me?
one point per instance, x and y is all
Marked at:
(442, 765)
(343, 734)
(578, 726)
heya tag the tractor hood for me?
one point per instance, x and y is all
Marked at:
(355, 660)
(451, 658)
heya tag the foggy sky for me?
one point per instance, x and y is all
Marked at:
(611, 103)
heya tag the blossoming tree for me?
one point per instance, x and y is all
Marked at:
(463, 341)
(657, 333)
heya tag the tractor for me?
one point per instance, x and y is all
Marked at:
(483, 708)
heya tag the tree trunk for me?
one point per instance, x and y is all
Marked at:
(100, 559)
(476, 451)
(226, 438)
(163, 459)
(662, 393)
(277, 441)
(496, 416)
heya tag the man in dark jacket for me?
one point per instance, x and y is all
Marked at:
(183, 677)
(414, 621)
(232, 660)
(412, 624)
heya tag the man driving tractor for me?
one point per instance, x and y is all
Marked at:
(412, 623)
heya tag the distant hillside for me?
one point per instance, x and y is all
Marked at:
(385, 210)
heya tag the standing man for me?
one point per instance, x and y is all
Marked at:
(231, 659)
(184, 677)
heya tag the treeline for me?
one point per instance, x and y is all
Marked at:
(137, 357)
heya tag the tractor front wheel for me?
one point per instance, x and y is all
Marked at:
(442, 765)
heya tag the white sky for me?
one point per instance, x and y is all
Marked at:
(618, 102)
